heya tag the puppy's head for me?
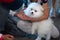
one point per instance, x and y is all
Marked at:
(34, 10)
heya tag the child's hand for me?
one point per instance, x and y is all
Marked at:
(22, 16)
(8, 37)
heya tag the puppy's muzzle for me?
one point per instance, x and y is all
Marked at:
(32, 13)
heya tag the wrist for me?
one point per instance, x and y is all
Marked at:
(35, 19)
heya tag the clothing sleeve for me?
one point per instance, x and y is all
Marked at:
(6, 1)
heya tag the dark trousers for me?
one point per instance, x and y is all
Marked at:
(3, 17)
(7, 26)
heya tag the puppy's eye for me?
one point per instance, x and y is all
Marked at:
(35, 10)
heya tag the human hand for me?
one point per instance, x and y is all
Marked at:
(8, 37)
(21, 15)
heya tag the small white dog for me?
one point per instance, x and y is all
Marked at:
(44, 28)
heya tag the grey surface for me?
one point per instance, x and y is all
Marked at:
(57, 24)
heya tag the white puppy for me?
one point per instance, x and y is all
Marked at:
(44, 28)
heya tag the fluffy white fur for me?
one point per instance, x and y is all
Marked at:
(44, 28)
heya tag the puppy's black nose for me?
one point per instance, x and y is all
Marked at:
(31, 12)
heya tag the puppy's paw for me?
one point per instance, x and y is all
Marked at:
(33, 31)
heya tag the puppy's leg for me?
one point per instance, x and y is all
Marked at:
(38, 38)
(34, 28)
(48, 36)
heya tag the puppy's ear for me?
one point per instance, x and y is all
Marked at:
(42, 9)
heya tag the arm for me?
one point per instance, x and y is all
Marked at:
(24, 17)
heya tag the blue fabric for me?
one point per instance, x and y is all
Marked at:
(58, 11)
(34, 36)
(50, 8)
(25, 2)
